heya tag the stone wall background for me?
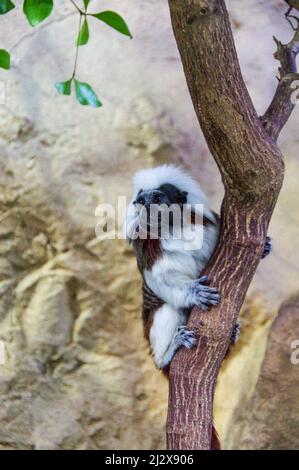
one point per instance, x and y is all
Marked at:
(77, 373)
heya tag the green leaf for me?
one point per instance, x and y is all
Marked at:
(114, 20)
(85, 95)
(6, 6)
(4, 59)
(83, 35)
(64, 88)
(86, 2)
(37, 11)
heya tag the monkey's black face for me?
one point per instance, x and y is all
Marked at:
(152, 203)
(166, 194)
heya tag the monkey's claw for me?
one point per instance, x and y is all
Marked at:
(236, 333)
(267, 247)
(186, 337)
(204, 296)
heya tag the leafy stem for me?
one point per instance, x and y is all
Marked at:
(37, 11)
(77, 44)
(77, 8)
(84, 92)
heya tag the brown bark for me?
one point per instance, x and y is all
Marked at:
(251, 165)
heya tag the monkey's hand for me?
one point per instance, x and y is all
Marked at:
(267, 247)
(203, 295)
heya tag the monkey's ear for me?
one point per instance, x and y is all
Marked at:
(185, 194)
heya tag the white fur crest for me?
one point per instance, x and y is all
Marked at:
(152, 178)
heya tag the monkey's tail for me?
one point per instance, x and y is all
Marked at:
(215, 442)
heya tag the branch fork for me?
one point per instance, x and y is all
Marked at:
(252, 169)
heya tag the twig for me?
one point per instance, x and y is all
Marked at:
(77, 47)
(281, 106)
(76, 6)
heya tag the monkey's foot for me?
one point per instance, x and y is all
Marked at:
(202, 295)
(267, 247)
(236, 333)
(185, 337)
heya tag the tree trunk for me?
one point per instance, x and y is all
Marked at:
(251, 165)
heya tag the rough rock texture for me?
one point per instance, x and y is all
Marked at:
(270, 419)
(77, 372)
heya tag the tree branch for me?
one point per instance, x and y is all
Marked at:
(252, 170)
(281, 106)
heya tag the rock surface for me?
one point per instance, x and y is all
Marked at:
(77, 373)
(270, 419)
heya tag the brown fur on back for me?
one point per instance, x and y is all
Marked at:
(150, 305)
(147, 253)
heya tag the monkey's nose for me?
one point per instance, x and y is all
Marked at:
(156, 198)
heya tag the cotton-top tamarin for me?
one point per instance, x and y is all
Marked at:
(170, 261)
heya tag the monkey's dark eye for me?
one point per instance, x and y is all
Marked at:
(140, 200)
